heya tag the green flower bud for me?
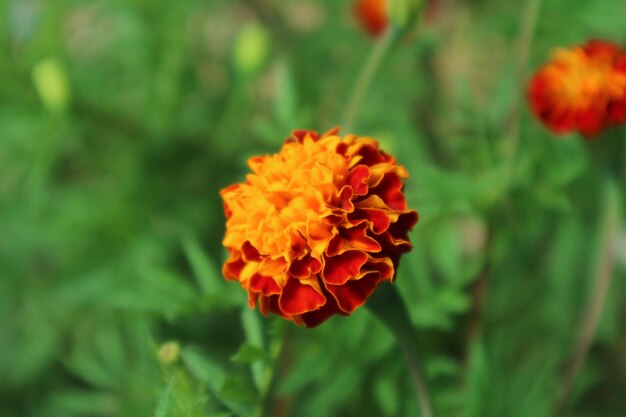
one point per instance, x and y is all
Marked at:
(169, 353)
(251, 49)
(50, 81)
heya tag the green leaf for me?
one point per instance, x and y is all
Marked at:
(252, 327)
(387, 396)
(238, 390)
(206, 273)
(453, 301)
(87, 402)
(204, 369)
(285, 103)
(164, 401)
(248, 353)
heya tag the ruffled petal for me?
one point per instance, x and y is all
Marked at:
(298, 298)
(353, 294)
(265, 285)
(340, 268)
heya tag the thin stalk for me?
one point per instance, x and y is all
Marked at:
(421, 389)
(602, 274)
(528, 24)
(388, 307)
(479, 290)
(365, 78)
(275, 350)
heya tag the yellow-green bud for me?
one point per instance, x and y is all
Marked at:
(51, 84)
(251, 49)
(169, 353)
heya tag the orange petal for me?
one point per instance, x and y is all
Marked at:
(358, 179)
(344, 200)
(298, 298)
(352, 238)
(317, 317)
(382, 266)
(339, 269)
(305, 267)
(378, 220)
(300, 134)
(353, 294)
(390, 190)
(249, 252)
(233, 266)
(264, 285)
(404, 224)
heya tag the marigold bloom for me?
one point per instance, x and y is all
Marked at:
(317, 227)
(372, 15)
(582, 89)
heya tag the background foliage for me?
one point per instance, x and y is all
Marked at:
(120, 121)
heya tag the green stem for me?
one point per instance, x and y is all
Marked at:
(267, 385)
(389, 308)
(528, 24)
(365, 78)
(602, 274)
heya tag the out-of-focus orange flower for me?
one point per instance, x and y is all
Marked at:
(582, 89)
(372, 15)
(317, 227)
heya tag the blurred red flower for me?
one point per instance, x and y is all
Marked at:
(372, 15)
(582, 89)
(317, 227)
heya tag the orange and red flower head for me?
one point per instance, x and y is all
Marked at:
(582, 89)
(317, 227)
(372, 15)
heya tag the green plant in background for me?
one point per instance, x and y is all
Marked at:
(121, 121)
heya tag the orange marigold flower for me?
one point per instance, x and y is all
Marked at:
(372, 15)
(582, 89)
(317, 227)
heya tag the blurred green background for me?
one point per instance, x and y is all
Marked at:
(120, 120)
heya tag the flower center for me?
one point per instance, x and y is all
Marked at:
(287, 192)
